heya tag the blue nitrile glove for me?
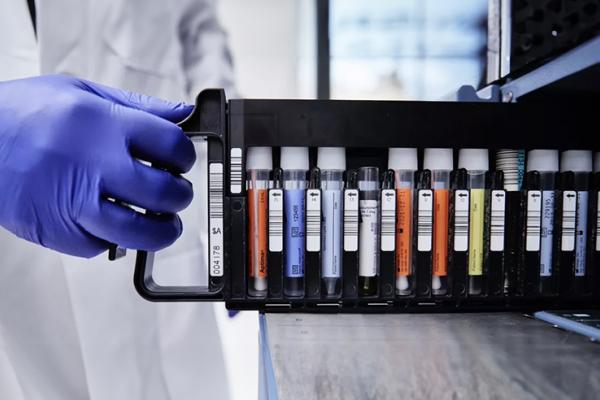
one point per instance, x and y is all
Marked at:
(67, 146)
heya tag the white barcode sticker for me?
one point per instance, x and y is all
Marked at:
(461, 220)
(569, 213)
(424, 220)
(235, 170)
(313, 220)
(275, 220)
(351, 220)
(534, 220)
(498, 215)
(388, 219)
(598, 223)
(215, 216)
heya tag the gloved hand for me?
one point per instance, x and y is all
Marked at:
(68, 146)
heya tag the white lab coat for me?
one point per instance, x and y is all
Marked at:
(73, 328)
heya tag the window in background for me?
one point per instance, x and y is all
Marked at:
(409, 49)
(273, 45)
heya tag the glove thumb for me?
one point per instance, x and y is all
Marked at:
(174, 112)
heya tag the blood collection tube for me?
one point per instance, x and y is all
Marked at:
(580, 163)
(258, 166)
(440, 162)
(369, 231)
(476, 162)
(332, 163)
(294, 163)
(404, 163)
(545, 162)
(512, 164)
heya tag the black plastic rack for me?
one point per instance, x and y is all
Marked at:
(367, 129)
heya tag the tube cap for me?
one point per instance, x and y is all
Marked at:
(542, 160)
(294, 158)
(438, 159)
(576, 161)
(331, 158)
(259, 158)
(597, 162)
(403, 158)
(473, 159)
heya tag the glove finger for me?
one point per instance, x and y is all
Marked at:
(158, 141)
(86, 245)
(149, 188)
(131, 229)
(174, 112)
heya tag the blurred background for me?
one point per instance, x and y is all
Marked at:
(384, 49)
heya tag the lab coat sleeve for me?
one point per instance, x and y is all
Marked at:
(205, 54)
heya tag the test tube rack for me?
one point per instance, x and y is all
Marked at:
(367, 129)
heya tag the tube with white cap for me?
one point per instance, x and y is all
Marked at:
(404, 162)
(332, 163)
(580, 163)
(258, 167)
(545, 162)
(440, 162)
(294, 163)
(476, 162)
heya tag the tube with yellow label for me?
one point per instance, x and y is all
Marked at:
(476, 162)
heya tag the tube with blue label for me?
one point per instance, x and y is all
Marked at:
(294, 163)
(545, 162)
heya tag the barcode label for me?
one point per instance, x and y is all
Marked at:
(569, 212)
(388, 219)
(313, 220)
(424, 220)
(235, 170)
(534, 220)
(215, 216)
(581, 233)
(598, 223)
(498, 214)
(461, 220)
(275, 220)
(351, 220)
(547, 237)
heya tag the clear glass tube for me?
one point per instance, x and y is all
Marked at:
(257, 186)
(369, 230)
(332, 185)
(294, 199)
(440, 183)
